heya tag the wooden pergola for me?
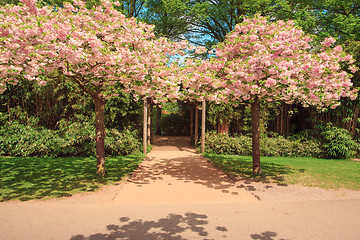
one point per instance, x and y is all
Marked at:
(147, 133)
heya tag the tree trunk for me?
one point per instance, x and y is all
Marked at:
(223, 128)
(354, 122)
(255, 123)
(132, 8)
(100, 134)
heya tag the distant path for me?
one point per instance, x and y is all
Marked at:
(177, 195)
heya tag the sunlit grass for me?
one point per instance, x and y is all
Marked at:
(324, 173)
(35, 178)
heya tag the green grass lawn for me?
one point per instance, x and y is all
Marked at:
(324, 173)
(35, 178)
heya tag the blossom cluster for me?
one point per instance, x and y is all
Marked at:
(95, 47)
(274, 61)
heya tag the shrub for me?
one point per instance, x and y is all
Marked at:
(78, 138)
(338, 142)
(71, 139)
(24, 140)
(121, 143)
(275, 146)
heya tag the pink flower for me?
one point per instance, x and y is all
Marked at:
(270, 82)
(328, 41)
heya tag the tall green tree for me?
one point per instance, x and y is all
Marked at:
(172, 18)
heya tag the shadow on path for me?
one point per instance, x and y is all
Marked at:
(265, 236)
(171, 143)
(172, 227)
(195, 169)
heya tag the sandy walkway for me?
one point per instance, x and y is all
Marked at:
(174, 173)
(171, 173)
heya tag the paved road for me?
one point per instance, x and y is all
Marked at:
(176, 194)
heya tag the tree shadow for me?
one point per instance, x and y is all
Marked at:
(194, 169)
(35, 178)
(168, 143)
(241, 169)
(265, 236)
(168, 228)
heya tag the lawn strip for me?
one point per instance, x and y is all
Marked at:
(314, 172)
(35, 178)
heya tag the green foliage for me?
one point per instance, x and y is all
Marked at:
(338, 142)
(269, 146)
(175, 119)
(121, 143)
(58, 99)
(170, 17)
(174, 125)
(71, 139)
(122, 111)
(35, 178)
(77, 138)
(223, 144)
(219, 113)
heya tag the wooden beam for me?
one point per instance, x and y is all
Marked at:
(203, 126)
(145, 127)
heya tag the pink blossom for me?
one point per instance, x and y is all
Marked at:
(270, 82)
(328, 41)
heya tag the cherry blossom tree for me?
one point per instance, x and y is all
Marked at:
(265, 62)
(95, 48)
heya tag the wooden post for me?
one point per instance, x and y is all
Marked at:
(145, 127)
(196, 124)
(149, 133)
(151, 123)
(203, 126)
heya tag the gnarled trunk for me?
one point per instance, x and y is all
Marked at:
(100, 134)
(255, 124)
